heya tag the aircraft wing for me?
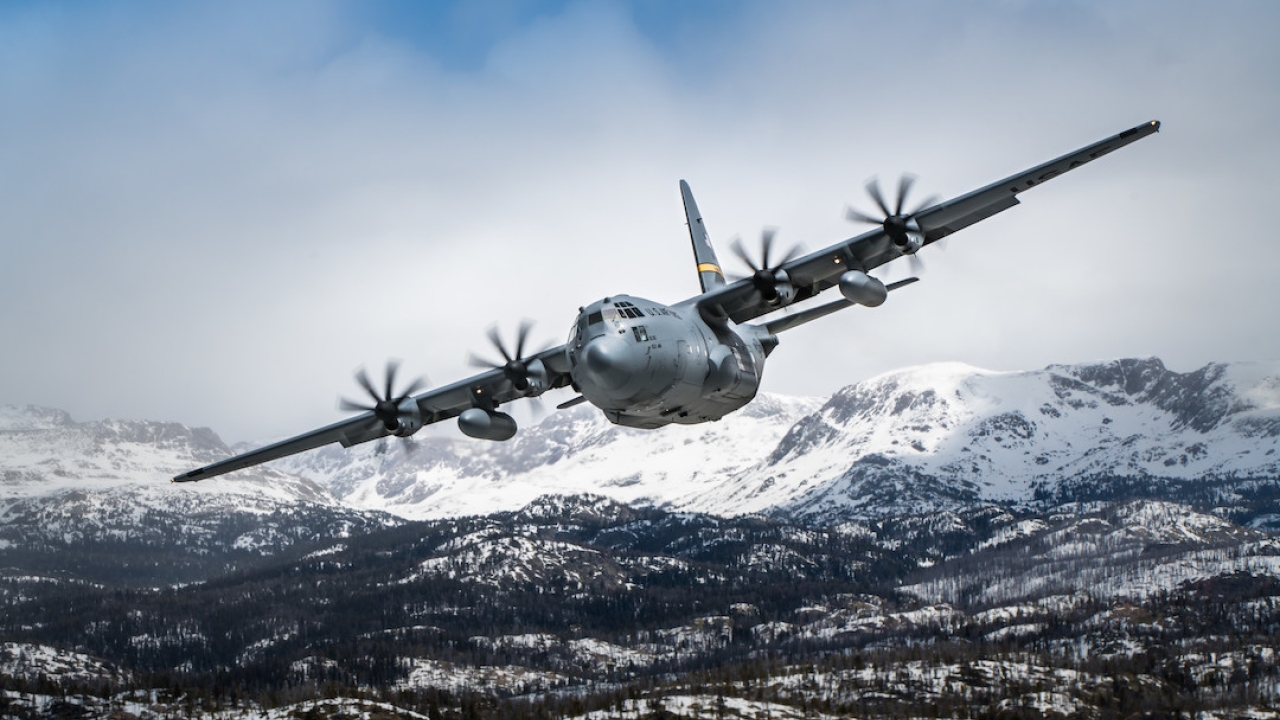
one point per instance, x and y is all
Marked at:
(434, 405)
(815, 272)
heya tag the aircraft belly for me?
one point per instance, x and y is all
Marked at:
(709, 409)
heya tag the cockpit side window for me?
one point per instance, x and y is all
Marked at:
(595, 318)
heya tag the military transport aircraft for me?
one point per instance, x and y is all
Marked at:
(647, 364)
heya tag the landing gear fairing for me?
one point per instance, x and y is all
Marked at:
(646, 364)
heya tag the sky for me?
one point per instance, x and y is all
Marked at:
(213, 213)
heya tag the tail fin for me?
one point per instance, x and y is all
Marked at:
(709, 273)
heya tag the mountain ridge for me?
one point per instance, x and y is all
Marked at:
(925, 438)
(92, 500)
(976, 434)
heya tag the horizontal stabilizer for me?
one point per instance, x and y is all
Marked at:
(571, 402)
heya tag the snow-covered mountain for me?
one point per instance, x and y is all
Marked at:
(44, 452)
(926, 438)
(933, 437)
(571, 452)
(67, 486)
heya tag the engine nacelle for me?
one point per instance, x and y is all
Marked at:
(485, 425)
(536, 374)
(859, 287)
(409, 419)
(905, 233)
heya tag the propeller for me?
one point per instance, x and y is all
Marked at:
(386, 406)
(408, 444)
(765, 276)
(515, 366)
(902, 228)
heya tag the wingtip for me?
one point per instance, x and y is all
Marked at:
(188, 476)
(1140, 131)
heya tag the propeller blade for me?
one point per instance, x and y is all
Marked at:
(741, 252)
(537, 410)
(904, 186)
(347, 406)
(514, 368)
(855, 216)
(522, 334)
(767, 238)
(766, 244)
(415, 386)
(393, 366)
(496, 339)
(895, 223)
(476, 361)
(873, 188)
(385, 407)
(928, 202)
(790, 255)
(917, 265)
(363, 378)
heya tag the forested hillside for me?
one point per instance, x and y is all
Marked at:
(578, 605)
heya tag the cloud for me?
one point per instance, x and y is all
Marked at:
(214, 213)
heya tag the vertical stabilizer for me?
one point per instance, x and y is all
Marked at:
(709, 273)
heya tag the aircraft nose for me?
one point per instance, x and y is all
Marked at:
(610, 362)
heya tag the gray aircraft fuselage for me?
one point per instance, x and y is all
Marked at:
(646, 364)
